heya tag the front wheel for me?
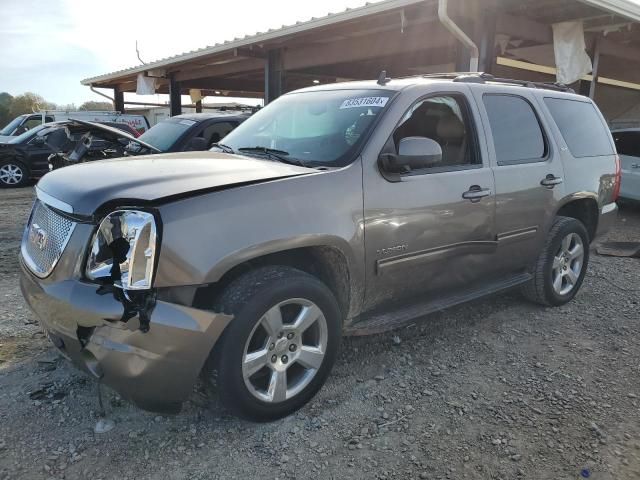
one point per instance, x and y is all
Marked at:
(13, 174)
(279, 349)
(562, 264)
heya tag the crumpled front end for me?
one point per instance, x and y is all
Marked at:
(95, 327)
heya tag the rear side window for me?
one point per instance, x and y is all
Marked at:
(581, 127)
(627, 143)
(516, 131)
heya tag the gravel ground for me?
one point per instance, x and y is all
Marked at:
(496, 389)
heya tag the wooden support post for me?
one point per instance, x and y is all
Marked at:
(175, 100)
(118, 100)
(596, 67)
(273, 76)
(487, 44)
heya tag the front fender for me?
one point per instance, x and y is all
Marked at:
(206, 236)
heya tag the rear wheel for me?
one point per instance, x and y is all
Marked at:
(13, 174)
(560, 269)
(279, 349)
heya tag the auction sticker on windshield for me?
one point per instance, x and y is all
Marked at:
(364, 102)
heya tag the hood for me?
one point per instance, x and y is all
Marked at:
(87, 186)
(5, 138)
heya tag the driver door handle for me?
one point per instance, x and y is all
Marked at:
(551, 181)
(475, 193)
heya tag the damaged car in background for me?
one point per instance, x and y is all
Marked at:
(343, 209)
(60, 144)
(52, 145)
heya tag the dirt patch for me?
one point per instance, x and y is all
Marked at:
(495, 389)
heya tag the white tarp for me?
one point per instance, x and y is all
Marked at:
(195, 94)
(572, 61)
(145, 85)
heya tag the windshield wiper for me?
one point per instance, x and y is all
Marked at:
(223, 147)
(279, 155)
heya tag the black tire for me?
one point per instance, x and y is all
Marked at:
(540, 289)
(21, 167)
(248, 298)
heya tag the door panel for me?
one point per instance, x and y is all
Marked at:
(422, 236)
(529, 175)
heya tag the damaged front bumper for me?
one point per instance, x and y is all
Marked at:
(155, 369)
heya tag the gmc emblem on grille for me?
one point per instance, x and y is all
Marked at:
(38, 236)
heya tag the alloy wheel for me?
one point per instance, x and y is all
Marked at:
(11, 174)
(567, 264)
(285, 350)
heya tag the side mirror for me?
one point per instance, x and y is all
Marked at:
(414, 153)
(197, 144)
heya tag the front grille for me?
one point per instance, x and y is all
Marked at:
(46, 237)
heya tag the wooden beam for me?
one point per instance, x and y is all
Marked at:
(596, 67)
(409, 63)
(431, 35)
(249, 52)
(224, 84)
(240, 66)
(521, 27)
(625, 52)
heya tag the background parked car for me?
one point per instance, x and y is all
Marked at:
(26, 156)
(23, 123)
(628, 146)
(190, 132)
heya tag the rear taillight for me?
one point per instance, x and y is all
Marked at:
(617, 180)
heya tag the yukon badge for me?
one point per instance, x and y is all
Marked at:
(38, 236)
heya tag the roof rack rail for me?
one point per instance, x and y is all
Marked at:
(488, 78)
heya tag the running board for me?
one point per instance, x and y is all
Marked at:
(384, 321)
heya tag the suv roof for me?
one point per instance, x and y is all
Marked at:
(397, 84)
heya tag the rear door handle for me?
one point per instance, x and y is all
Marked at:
(551, 181)
(475, 193)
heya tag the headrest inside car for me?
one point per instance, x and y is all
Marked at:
(450, 128)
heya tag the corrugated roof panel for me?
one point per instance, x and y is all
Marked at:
(627, 8)
(271, 34)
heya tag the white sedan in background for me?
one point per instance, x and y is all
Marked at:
(628, 146)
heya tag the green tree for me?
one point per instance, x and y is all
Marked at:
(5, 107)
(27, 103)
(94, 105)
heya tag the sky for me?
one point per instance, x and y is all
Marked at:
(48, 46)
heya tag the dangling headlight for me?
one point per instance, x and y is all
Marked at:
(124, 250)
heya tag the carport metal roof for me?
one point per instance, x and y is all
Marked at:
(403, 36)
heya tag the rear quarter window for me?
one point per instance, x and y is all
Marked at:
(581, 127)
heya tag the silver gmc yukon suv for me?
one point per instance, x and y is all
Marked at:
(336, 210)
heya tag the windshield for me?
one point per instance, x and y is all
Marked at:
(315, 128)
(24, 137)
(164, 134)
(12, 125)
